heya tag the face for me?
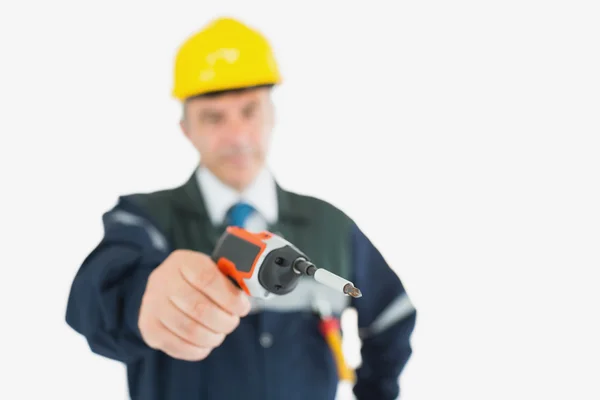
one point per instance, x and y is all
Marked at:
(231, 132)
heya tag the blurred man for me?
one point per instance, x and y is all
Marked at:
(150, 296)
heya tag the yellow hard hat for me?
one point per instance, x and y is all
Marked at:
(226, 54)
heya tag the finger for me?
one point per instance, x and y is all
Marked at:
(174, 346)
(199, 307)
(187, 328)
(209, 280)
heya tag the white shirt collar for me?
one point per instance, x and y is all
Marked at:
(218, 197)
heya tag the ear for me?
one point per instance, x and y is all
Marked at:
(272, 113)
(184, 128)
(183, 120)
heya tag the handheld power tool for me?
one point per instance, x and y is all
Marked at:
(264, 264)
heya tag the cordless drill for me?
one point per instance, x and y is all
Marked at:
(264, 264)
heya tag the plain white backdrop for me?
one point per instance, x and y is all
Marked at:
(462, 136)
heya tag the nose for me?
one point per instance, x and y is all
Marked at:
(238, 132)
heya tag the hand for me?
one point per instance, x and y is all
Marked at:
(189, 306)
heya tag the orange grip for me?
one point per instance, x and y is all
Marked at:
(227, 250)
(228, 268)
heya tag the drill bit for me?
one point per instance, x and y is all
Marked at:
(349, 289)
(302, 266)
(336, 282)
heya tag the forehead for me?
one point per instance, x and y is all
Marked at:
(229, 100)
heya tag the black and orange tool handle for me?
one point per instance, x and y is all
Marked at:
(228, 268)
(236, 254)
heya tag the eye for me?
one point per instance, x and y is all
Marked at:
(212, 118)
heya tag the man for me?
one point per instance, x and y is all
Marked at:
(150, 296)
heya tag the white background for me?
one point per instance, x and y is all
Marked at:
(461, 136)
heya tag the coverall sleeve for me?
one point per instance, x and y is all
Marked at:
(386, 320)
(106, 293)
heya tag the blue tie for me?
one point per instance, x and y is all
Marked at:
(238, 214)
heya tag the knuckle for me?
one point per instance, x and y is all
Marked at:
(152, 278)
(206, 339)
(220, 337)
(177, 257)
(214, 339)
(142, 320)
(147, 333)
(209, 339)
(187, 327)
(233, 303)
(201, 353)
(207, 277)
(200, 310)
(155, 342)
(177, 253)
(234, 321)
(175, 353)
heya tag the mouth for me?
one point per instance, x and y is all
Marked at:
(239, 159)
